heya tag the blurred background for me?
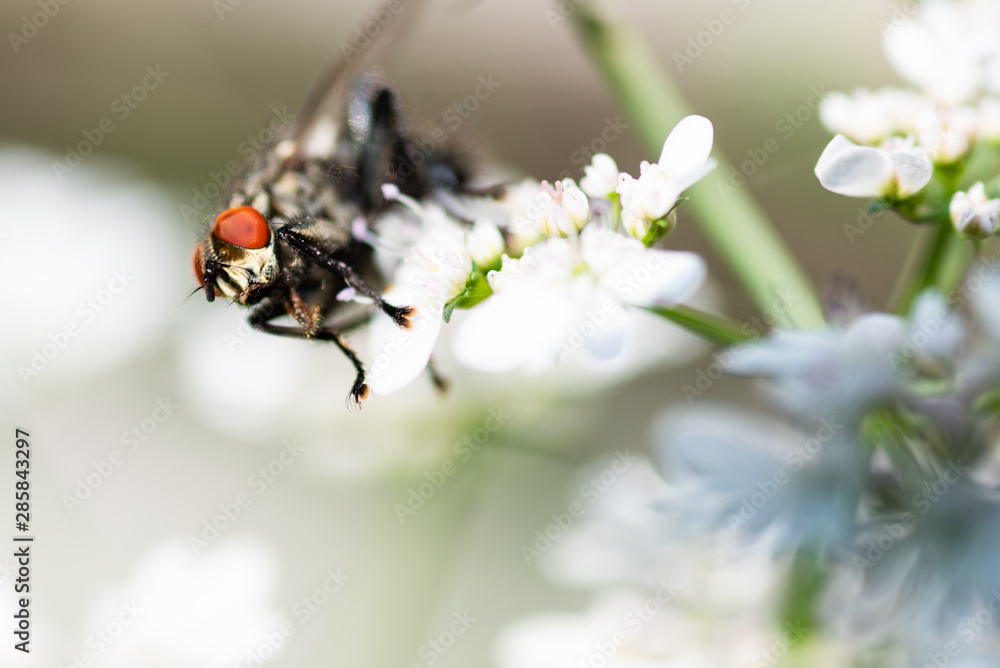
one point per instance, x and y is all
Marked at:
(214, 475)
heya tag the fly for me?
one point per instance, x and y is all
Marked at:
(285, 242)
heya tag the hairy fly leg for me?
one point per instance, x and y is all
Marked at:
(300, 243)
(260, 319)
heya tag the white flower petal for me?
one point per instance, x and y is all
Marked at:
(657, 277)
(687, 148)
(855, 171)
(913, 170)
(601, 176)
(519, 328)
(933, 52)
(399, 356)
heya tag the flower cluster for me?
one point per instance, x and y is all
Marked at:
(545, 271)
(881, 469)
(914, 149)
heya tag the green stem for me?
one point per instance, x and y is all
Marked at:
(720, 331)
(730, 218)
(943, 265)
(807, 580)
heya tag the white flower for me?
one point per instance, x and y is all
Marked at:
(541, 209)
(973, 214)
(757, 477)
(600, 177)
(233, 583)
(868, 117)
(988, 119)
(567, 295)
(942, 51)
(947, 134)
(827, 372)
(435, 272)
(635, 226)
(485, 243)
(940, 567)
(897, 169)
(683, 162)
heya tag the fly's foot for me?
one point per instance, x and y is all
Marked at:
(403, 316)
(360, 392)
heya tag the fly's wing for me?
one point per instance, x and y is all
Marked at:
(319, 126)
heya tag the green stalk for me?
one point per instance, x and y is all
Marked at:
(734, 223)
(720, 331)
(943, 264)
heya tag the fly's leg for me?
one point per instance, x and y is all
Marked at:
(440, 382)
(401, 315)
(260, 319)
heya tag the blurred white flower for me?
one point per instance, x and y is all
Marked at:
(103, 252)
(628, 536)
(947, 135)
(485, 243)
(943, 49)
(546, 210)
(625, 628)
(988, 119)
(684, 160)
(600, 176)
(819, 373)
(567, 295)
(435, 271)
(757, 477)
(973, 215)
(933, 329)
(188, 611)
(930, 567)
(869, 117)
(898, 169)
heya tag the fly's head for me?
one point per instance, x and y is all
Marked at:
(238, 259)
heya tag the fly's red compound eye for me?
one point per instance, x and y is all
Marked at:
(242, 226)
(199, 265)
